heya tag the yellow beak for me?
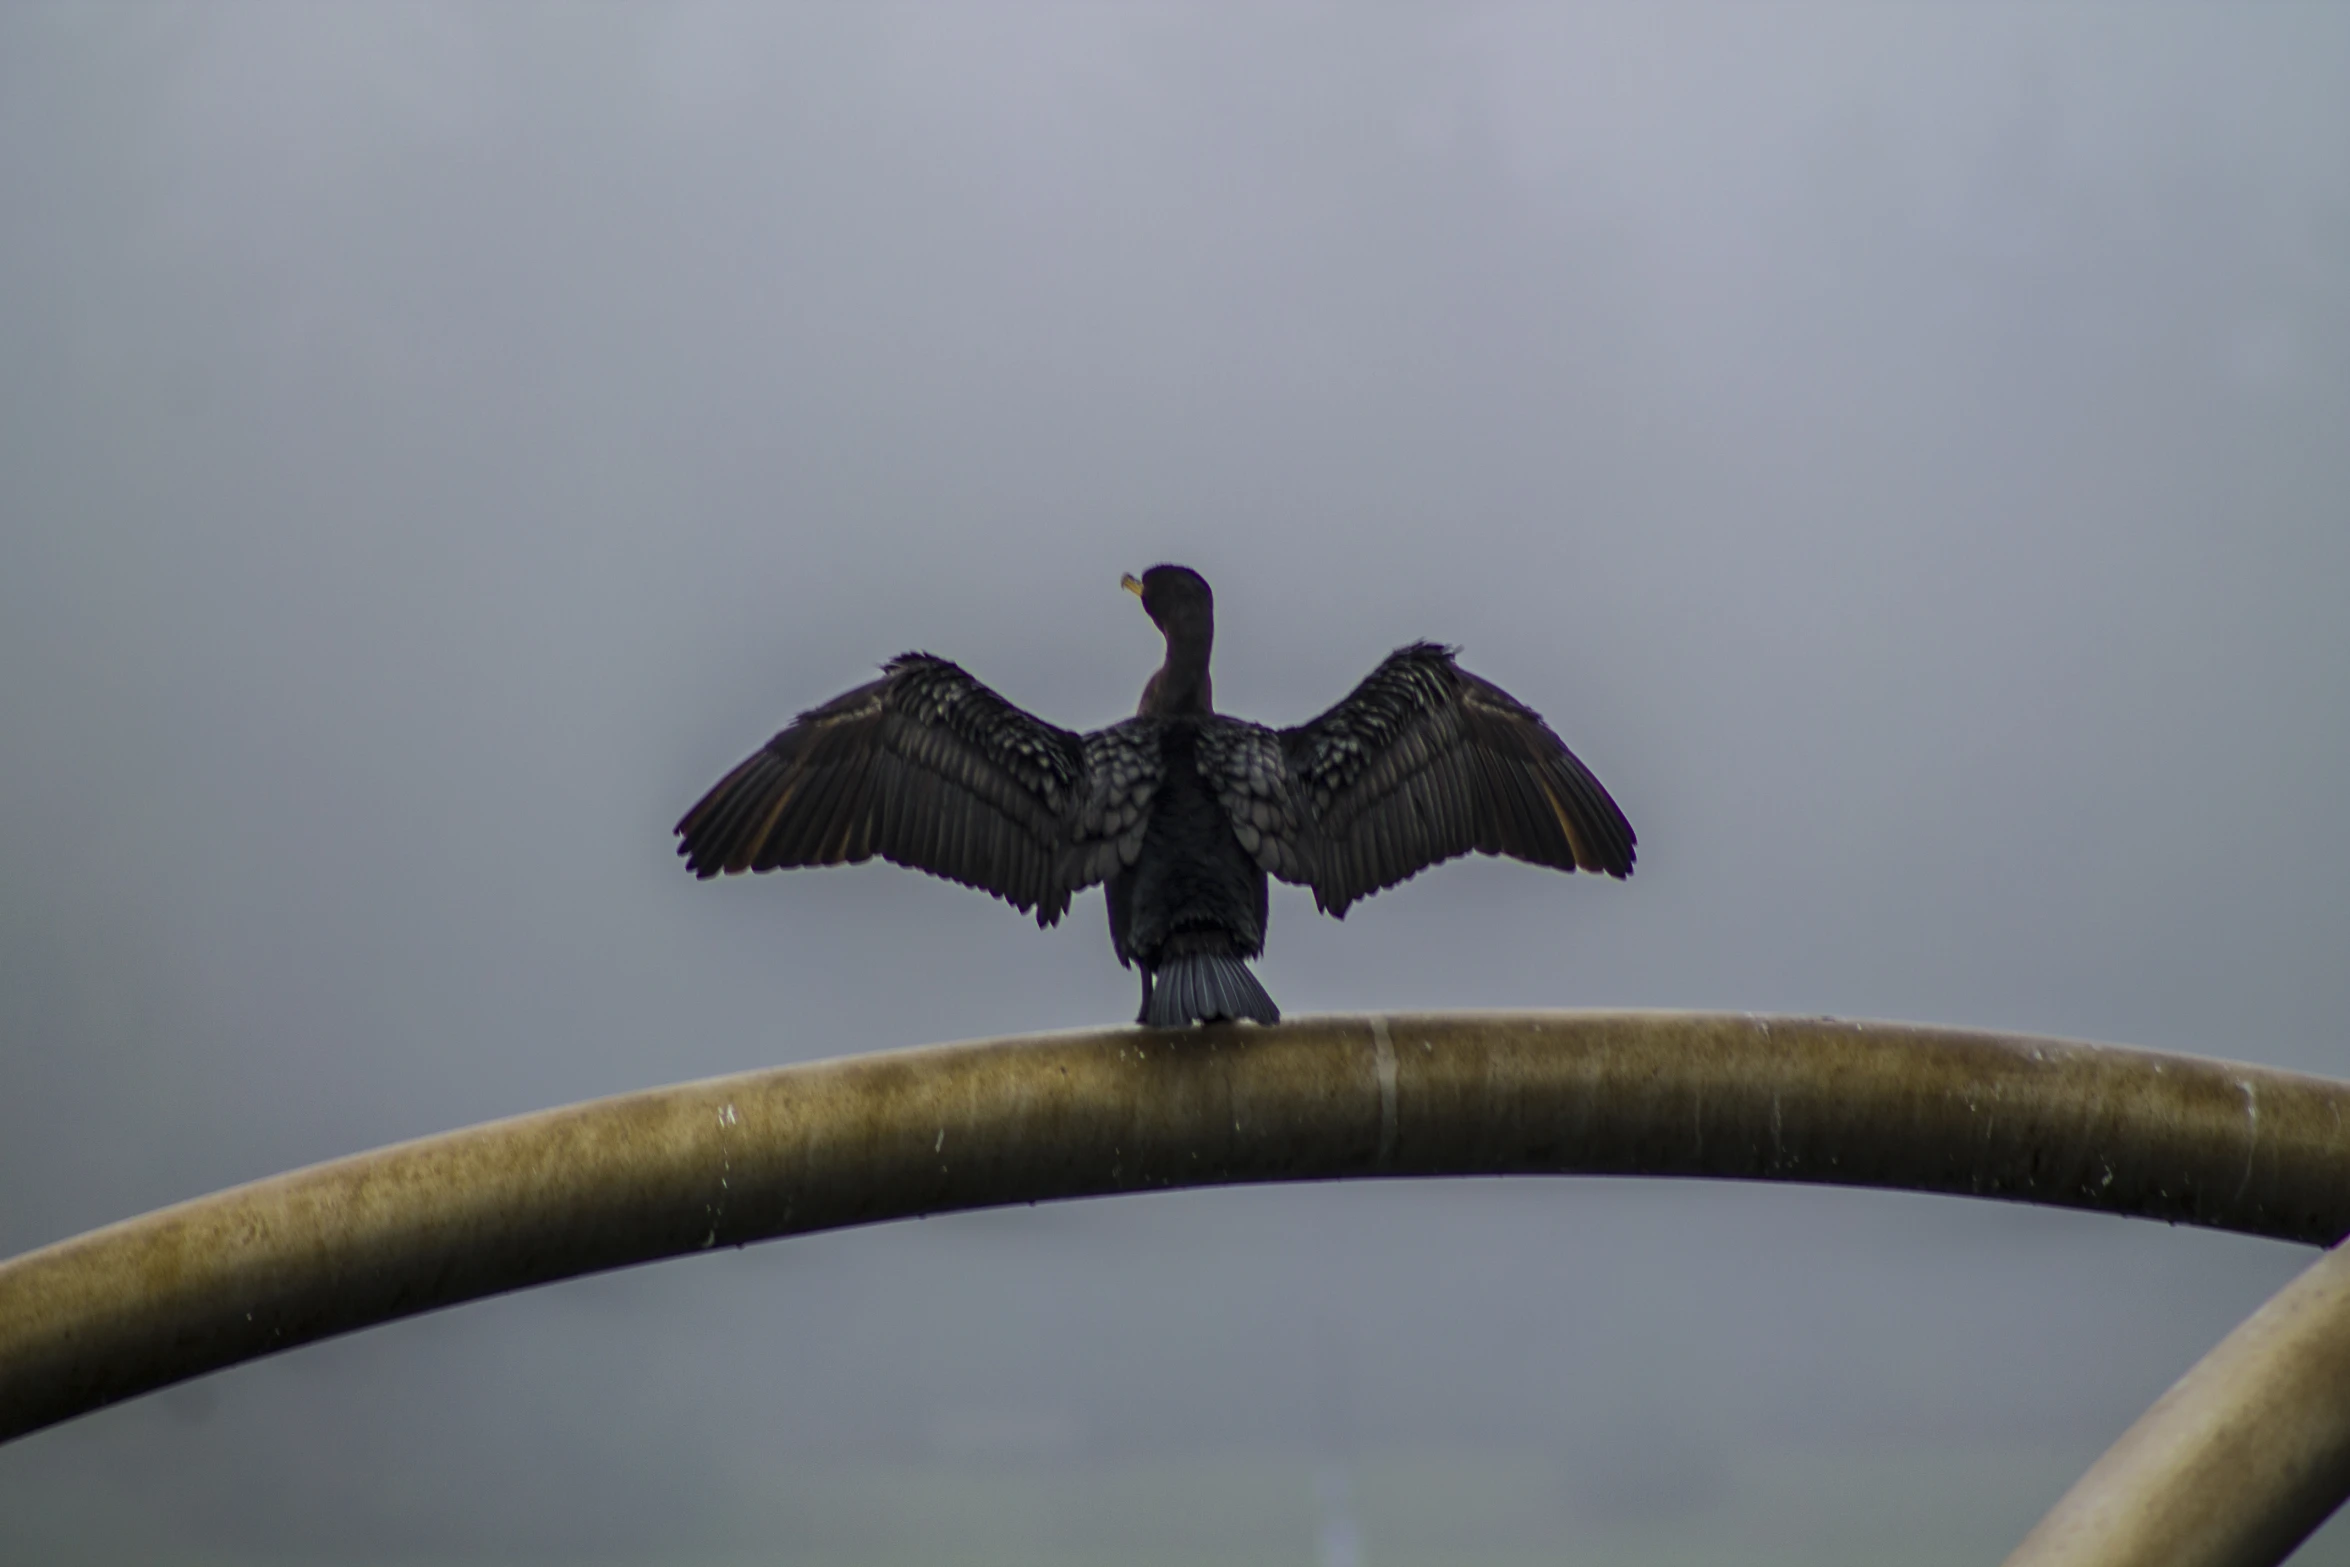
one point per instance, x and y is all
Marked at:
(1131, 583)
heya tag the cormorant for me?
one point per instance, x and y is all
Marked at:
(1181, 809)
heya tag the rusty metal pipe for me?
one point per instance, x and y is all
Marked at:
(410, 1228)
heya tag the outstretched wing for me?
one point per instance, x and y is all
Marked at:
(1424, 761)
(929, 768)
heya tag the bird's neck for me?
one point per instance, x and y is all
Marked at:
(1181, 686)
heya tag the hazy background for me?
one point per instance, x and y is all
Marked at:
(1903, 450)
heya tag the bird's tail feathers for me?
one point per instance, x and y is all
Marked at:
(1202, 987)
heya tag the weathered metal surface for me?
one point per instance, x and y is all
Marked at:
(602, 1185)
(2236, 1464)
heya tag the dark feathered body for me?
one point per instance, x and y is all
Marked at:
(1192, 892)
(1182, 811)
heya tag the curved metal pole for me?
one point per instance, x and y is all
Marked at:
(514, 1203)
(2243, 1457)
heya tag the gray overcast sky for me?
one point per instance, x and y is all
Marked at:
(1902, 449)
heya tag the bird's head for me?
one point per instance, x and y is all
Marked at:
(1178, 600)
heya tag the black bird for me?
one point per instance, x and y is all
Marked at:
(1182, 810)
